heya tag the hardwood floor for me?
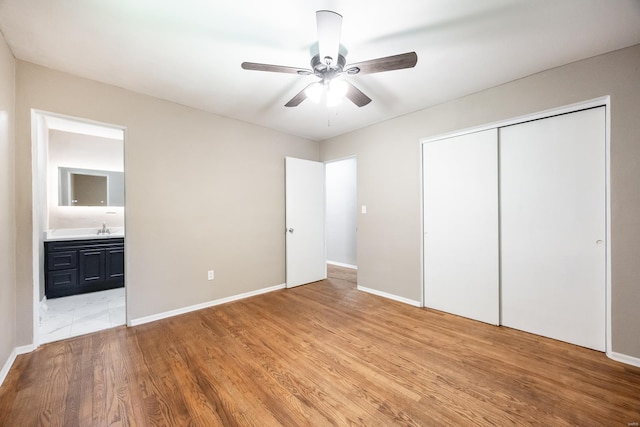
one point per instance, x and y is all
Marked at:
(320, 354)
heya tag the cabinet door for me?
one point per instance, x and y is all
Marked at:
(91, 266)
(461, 225)
(553, 227)
(115, 264)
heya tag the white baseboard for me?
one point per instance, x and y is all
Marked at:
(12, 358)
(23, 349)
(341, 264)
(167, 314)
(390, 296)
(7, 365)
(623, 358)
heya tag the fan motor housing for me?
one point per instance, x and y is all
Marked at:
(327, 72)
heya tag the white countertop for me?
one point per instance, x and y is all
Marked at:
(82, 234)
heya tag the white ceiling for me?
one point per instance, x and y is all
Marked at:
(190, 51)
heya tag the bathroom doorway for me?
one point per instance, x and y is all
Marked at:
(78, 226)
(341, 212)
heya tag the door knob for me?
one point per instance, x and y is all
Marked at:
(290, 230)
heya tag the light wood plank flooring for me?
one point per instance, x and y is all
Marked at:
(320, 354)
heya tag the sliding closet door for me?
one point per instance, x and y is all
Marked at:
(461, 225)
(552, 186)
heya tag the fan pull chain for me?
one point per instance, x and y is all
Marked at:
(329, 116)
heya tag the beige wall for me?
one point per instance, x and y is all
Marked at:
(389, 234)
(7, 236)
(74, 150)
(202, 192)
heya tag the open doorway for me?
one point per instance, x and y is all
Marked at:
(341, 212)
(78, 226)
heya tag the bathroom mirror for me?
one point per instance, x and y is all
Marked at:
(89, 187)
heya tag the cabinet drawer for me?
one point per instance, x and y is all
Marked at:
(61, 282)
(62, 260)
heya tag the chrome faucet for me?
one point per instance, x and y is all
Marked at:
(104, 229)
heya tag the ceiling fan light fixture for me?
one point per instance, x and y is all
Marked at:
(314, 92)
(336, 91)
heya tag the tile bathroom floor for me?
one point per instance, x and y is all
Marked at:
(82, 314)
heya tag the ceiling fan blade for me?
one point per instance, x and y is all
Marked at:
(329, 31)
(301, 96)
(388, 63)
(275, 68)
(356, 96)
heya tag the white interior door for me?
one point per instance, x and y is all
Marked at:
(305, 216)
(461, 265)
(552, 186)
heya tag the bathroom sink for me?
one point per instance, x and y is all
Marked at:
(82, 233)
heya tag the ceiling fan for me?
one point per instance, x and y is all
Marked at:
(329, 66)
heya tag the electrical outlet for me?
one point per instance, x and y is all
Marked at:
(210, 275)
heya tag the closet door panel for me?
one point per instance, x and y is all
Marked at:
(461, 225)
(553, 206)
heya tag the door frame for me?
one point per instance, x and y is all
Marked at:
(39, 148)
(325, 162)
(604, 101)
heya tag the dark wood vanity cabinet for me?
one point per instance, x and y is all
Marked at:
(79, 266)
